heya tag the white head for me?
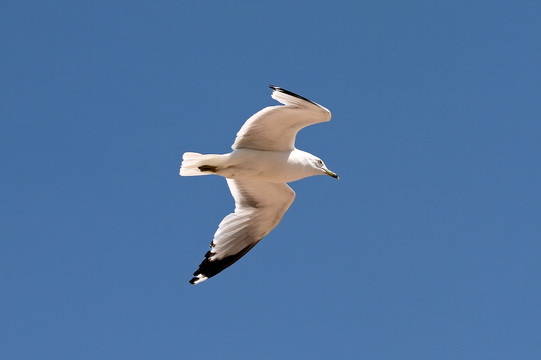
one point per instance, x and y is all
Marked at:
(318, 167)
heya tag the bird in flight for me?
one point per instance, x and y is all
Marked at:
(263, 160)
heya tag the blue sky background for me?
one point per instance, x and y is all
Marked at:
(427, 248)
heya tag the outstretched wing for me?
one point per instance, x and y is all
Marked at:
(275, 127)
(259, 207)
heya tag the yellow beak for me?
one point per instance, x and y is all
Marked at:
(331, 174)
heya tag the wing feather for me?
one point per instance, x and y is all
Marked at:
(259, 207)
(275, 127)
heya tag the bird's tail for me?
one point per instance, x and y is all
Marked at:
(195, 164)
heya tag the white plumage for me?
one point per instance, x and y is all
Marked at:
(263, 160)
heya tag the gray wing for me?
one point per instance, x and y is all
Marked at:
(259, 207)
(275, 127)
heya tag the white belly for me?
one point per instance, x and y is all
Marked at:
(270, 166)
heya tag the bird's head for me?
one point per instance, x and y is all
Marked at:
(320, 169)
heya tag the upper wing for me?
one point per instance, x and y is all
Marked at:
(275, 127)
(259, 207)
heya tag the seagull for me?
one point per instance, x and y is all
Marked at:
(264, 159)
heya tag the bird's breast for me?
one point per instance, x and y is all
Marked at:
(273, 166)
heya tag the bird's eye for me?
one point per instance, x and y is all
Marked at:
(320, 163)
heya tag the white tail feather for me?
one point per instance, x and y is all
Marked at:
(191, 162)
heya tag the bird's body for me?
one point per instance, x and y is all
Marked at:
(263, 160)
(273, 166)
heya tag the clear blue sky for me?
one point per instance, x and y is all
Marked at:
(428, 247)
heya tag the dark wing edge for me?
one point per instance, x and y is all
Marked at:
(208, 268)
(287, 92)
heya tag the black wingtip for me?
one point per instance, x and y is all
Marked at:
(208, 268)
(287, 92)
